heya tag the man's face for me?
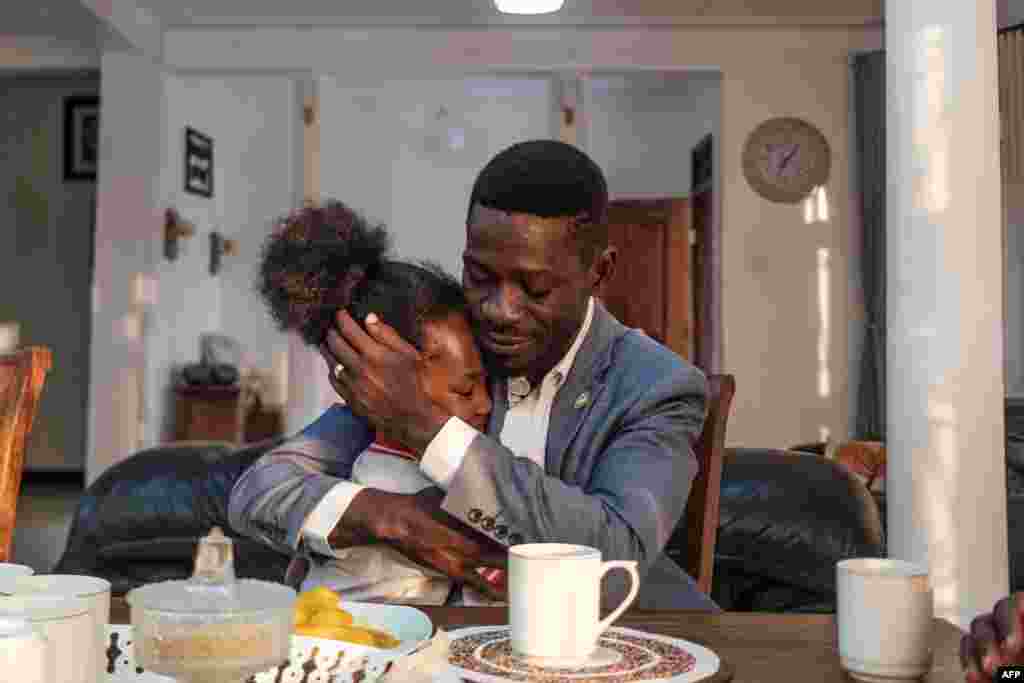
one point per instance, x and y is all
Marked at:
(527, 289)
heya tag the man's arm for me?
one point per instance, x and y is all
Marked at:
(300, 493)
(634, 497)
(303, 479)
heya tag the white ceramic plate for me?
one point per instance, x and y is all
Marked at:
(313, 660)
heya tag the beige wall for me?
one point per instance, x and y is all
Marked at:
(771, 313)
(772, 310)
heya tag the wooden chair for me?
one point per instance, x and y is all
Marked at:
(22, 374)
(701, 517)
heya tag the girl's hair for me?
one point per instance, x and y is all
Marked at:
(320, 259)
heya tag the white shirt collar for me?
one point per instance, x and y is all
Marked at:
(519, 387)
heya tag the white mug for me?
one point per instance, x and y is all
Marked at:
(24, 648)
(65, 621)
(884, 613)
(93, 590)
(554, 601)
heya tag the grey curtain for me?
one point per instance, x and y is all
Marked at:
(869, 99)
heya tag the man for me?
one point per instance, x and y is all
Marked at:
(995, 640)
(590, 437)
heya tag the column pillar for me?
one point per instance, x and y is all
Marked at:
(945, 396)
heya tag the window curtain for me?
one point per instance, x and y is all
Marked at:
(869, 97)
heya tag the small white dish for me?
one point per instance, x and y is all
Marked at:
(319, 660)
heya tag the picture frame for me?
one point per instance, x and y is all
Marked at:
(81, 137)
(198, 163)
(701, 165)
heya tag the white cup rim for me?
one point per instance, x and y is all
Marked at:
(79, 585)
(554, 551)
(881, 567)
(14, 569)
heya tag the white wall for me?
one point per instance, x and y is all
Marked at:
(641, 128)
(45, 255)
(251, 121)
(128, 229)
(383, 152)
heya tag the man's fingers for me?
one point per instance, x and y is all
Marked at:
(1006, 623)
(986, 648)
(387, 336)
(351, 332)
(473, 579)
(343, 352)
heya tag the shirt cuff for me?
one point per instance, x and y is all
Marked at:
(445, 452)
(326, 515)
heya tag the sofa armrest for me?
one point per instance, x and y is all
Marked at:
(786, 518)
(152, 507)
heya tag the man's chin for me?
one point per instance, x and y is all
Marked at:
(505, 366)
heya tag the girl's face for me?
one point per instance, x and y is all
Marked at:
(454, 372)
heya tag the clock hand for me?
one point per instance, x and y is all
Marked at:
(788, 158)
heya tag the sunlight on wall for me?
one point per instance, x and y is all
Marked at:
(931, 136)
(938, 491)
(278, 392)
(9, 335)
(144, 290)
(824, 433)
(816, 206)
(824, 333)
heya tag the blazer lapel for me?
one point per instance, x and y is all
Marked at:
(581, 390)
(499, 406)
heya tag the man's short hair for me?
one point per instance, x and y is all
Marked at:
(552, 179)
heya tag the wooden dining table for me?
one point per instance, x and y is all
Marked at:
(755, 647)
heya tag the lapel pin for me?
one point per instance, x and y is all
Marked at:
(582, 400)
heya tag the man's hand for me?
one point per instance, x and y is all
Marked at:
(417, 527)
(995, 640)
(382, 381)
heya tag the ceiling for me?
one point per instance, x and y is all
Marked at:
(179, 13)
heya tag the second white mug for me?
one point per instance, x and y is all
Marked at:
(554, 601)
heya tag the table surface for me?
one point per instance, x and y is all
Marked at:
(761, 647)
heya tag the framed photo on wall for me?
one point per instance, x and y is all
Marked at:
(701, 165)
(81, 137)
(198, 163)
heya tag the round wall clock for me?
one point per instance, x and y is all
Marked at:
(785, 158)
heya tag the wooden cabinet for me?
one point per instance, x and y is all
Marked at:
(209, 413)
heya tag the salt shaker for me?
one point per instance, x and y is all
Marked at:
(24, 648)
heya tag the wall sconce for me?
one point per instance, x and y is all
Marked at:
(175, 228)
(220, 247)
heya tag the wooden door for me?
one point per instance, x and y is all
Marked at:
(700, 277)
(651, 288)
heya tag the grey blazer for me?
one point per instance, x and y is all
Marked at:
(618, 467)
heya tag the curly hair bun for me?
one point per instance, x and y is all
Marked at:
(314, 262)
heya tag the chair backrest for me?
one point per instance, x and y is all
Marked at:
(701, 516)
(22, 374)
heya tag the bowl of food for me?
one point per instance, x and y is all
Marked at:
(212, 627)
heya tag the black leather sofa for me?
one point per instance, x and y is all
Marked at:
(786, 519)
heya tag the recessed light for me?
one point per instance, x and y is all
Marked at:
(528, 6)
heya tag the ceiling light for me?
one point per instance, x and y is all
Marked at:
(528, 6)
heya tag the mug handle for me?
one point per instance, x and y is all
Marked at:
(629, 566)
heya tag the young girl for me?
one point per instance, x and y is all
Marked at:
(321, 259)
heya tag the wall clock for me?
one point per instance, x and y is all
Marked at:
(785, 158)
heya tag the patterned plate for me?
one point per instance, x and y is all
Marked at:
(485, 655)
